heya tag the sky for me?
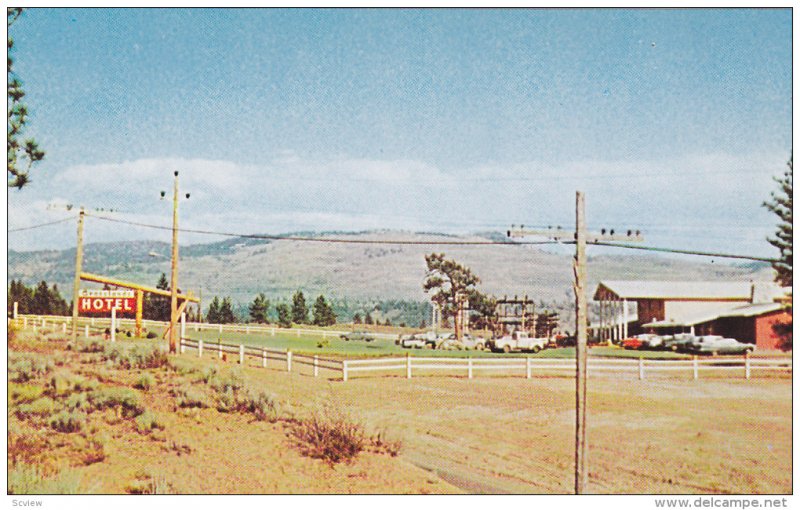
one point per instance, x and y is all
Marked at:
(673, 122)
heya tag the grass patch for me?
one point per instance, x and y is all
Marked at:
(137, 356)
(190, 396)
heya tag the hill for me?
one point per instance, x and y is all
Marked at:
(242, 267)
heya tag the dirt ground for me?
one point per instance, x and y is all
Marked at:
(485, 435)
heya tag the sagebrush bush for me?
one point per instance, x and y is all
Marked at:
(77, 401)
(139, 356)
(67, 421)
(65, 382)
(41, 406)
(28, 479)
(90, 345)
(145, 382)
(23, 368)
(124, 398)
(189, 396)
(262, 405)
(24, 393)
(147, 422)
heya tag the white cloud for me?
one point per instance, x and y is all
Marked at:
(694, 200)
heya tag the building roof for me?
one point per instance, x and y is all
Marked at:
(638, 289)
(740, 311)
(752, 310)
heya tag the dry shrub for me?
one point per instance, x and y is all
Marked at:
(42, 406)
(68, 422)
(189, 396)
(148, 422)
(24, 393)
(124, 398)
(332, 437)
(145, 382)
(23, 368)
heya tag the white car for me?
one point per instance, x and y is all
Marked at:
(518, 341)
(467, 342)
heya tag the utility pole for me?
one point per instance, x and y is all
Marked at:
(173, 330)
(581, 238)
(581, 474)
(76, 286)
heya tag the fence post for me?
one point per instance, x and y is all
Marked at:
(16, 308)
(641, 368)
(528, 368)
(241, 354)
(694, 366)
(264, 358)
(34, 327)
(183, 331)
(219, 345)
(273, 331)
(344, 370)
(91, 321)
(747, 365)
(86, 331)
(316, 365)
(288, 360)
(469, 367)
(298, 333)
(220, 328)
(408, 365)
(247, 330)
(113, 324)
(25, 323)
(64, 327)
(44, 323)
(199, 348)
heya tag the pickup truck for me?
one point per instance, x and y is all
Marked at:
(518, 341)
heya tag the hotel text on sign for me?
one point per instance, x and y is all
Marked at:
(103, 301)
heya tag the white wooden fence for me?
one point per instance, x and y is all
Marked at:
(744, 366)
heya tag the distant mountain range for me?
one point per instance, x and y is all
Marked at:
(242, 267)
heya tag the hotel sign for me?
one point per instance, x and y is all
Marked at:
(103, 301)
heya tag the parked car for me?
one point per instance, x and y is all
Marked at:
(518, 341)
(651, 341)
(358, 335)
(419, 340)
(467, 342)
(642, 341)
(677, 342)
(715, 344)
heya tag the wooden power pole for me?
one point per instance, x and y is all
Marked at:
(581, 238)
(581, 475)
(173, 330)
(76, 286)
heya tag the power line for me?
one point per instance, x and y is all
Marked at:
(684, 252)
(326, 239)
(41, 225)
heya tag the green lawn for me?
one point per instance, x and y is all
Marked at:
(314, 344)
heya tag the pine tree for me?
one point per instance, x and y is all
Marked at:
(212, 316)
(41, 304)
(368, 319)
(357, 318)
(299, 308)
(259, 308)
(22, 154)
(781, 204)
(58, 305)
(226, 315)
(157, 308)
(284, 315)
(323, 313)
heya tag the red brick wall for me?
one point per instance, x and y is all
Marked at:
(765, 336)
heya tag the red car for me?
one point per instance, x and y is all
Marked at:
(632, 343)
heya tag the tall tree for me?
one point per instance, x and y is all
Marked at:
(451, 284)
(42, 300)
(212, 316)
(157, 308)
(259, 308)
(323, 313)
(22, 152)
(484, 308)
(780, 203)
(368, 319)
(357, 318)
(299, 308)
(284, 315)
(226, 315)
